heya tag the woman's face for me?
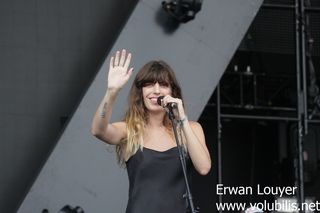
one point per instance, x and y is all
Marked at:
(151, 92)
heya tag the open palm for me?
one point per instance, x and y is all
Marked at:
(119, 72)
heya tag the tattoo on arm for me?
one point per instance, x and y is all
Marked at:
(104, 109)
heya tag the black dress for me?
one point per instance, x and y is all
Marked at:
(156, 183)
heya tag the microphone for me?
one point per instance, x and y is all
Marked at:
(170, 106)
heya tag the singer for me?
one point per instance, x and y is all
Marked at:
(144, 140)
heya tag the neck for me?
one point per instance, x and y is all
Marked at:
(156, 119)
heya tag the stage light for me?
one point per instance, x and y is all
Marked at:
(70, 209)
(182, 10)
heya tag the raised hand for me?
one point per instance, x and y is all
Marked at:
(119, 72)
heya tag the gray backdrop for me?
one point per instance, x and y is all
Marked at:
(82, 171)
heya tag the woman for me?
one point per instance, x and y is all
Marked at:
(145, 140)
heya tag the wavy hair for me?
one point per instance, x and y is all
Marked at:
(136, 116)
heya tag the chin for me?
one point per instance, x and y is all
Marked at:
(158, 109)
(155, 108)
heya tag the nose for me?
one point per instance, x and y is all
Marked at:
(156, 88)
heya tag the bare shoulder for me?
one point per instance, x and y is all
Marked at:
(196, 128)
(195, 125)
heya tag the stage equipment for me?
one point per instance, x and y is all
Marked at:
(182, 152)
(182, 10)
(69, 209)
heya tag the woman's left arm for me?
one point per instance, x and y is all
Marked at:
(196, 146)
(195, 140)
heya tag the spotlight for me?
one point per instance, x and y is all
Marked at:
(182, 10)
(70, 209)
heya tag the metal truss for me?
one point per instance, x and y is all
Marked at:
(254, 107)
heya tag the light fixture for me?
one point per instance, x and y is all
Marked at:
(182, 10)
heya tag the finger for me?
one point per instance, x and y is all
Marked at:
(166, 100)
(167, 96)
(170, 99)
(129, 73)
(127, 63)
(116, 61)
(111, 62)
(161, 102)
(123, 57)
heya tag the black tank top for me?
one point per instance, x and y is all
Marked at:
(156, 183)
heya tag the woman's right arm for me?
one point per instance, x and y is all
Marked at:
(118, 76)
(101, 128)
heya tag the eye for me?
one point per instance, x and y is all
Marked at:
(163, 84)
(147, 84)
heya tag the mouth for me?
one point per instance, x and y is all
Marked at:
(154, 100)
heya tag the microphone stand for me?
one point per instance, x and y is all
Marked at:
(182, 157)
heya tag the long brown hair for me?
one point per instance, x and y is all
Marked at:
(137, 114)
